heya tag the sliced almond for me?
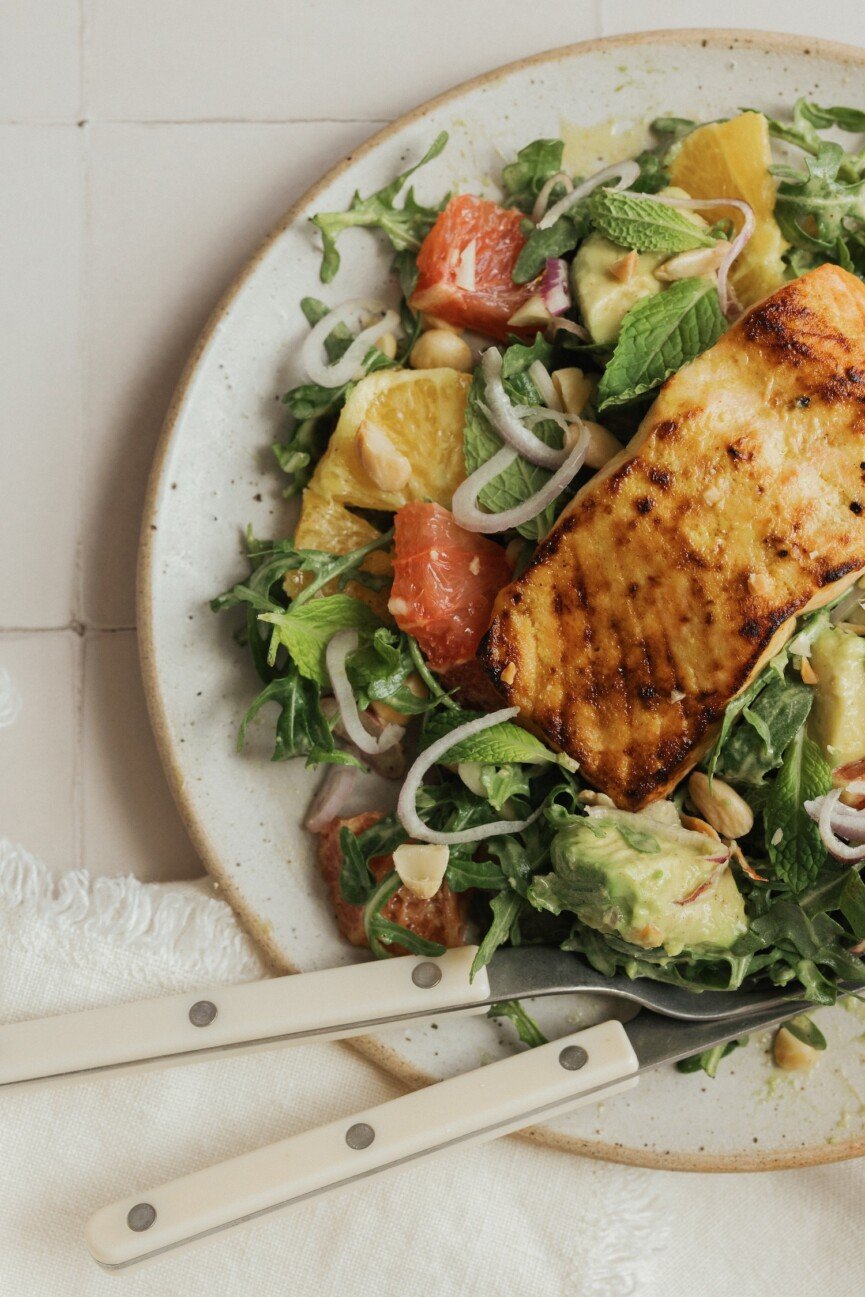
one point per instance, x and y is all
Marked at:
(388, 467)
(509, 674)
(421, 866)
(573, 387)
(625, 268)
(721, 805)
(792, 1054)
(807, 672)
(695, 262)
(532, 314)
(387, 344)
(699, 826)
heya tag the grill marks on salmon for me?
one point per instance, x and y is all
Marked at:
(678, 571)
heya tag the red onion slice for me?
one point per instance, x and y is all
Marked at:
(338, 649)
(729, 305)
(560, 178)
(464, 503)
(349, 366)
(625, 172)
(330, 797)
(406, 806)
(834, 818)
(555, 292)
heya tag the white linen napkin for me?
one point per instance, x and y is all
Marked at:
(508, 1218)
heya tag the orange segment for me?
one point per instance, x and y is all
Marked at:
(731, 160)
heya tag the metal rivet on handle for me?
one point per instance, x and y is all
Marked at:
(141, 1217)
(202, 1013)
(360, 1135)
(573, 1057)
(426, 975)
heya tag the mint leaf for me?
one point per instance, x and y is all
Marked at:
(659, 335)
(304, 631)
(793, 842)
(524, 179)
(643, 224)
(406, 226)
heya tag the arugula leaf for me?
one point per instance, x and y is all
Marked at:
(670, 130)
(406, 226)
(383, 933)
(356, 882)
(305, 630)
(643, 224)
(848, 119)
(298, 456)
(524, 179)
(802, 132)
(312, 401)
(496, 746)
(709, 1059)
(505, 906)
(379, 670)
(556, 240)
(816, 208)
(302, 729)
(659, 335)
(501, 783)
(793, 841)
(527, 1029)
(461, 874)
(806, 1030)
(769, 723)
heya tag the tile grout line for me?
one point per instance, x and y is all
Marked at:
(78, 604)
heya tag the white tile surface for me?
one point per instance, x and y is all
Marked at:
(41, 215)
(40, 75)
(175, 213)
(273, 60)
(130, 823)
(38, 758)
(842, 20)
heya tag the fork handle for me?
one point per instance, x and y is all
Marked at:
(470, 1108)
(337, 1002)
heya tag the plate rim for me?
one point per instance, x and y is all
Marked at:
(382, 1055)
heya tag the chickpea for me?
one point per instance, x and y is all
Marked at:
(441, 349)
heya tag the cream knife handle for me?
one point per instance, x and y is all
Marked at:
(337, 1002)
(479, 1105)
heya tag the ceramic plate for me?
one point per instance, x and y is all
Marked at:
(214, 474)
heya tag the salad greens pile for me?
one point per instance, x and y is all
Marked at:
(805, 912)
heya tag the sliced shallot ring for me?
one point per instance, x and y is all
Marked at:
(560, 178)
(729, 306)
(506, 420)
(567, 326)
(555, 291)
(824, 810)
(338, 649)
(407, 805)
(540, 376)
(464, 503)
(624, 172)
(350, 365)
(330, 797)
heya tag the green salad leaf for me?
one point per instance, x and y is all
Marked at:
(806, 1030)
(816, 208)
(659, 335)
(496, 746)
(557, 240)
(526, 1028)
(305, 630)
(769, 723)
(642, 224)
(302, 729)
(406, 227)
(524, 179)
(710, 1059)
(480, 440)
(793, 842)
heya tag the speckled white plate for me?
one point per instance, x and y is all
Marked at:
(213, 474)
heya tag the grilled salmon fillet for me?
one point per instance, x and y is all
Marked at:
(679, 569)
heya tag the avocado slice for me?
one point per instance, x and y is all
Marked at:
(654, 884)
(604, 300)
(837, 720)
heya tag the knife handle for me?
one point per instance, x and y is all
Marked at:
(337, 1002)
(473, 1107)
